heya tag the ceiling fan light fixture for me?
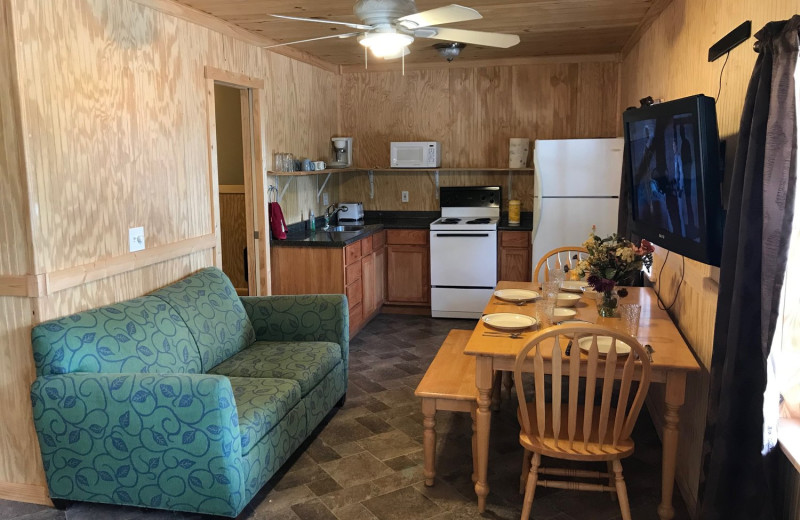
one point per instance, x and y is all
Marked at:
(449, 51)
(383, 44)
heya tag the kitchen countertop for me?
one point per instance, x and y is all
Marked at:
(375, 221)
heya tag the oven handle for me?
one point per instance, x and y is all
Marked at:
(462, 234)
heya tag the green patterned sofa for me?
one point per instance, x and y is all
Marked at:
(189, 398)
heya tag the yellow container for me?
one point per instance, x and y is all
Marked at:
(513, 212)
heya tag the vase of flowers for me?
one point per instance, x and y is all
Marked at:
(613, 261)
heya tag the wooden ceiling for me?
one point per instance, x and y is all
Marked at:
(546, 27)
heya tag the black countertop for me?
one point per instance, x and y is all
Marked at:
(299, 236)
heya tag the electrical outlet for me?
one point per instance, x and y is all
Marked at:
(135, 239)
(325, 199)
(404, 196)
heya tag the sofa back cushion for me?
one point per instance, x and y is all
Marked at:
(212, 310)
(141, 335)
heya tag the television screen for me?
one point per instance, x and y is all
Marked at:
(673, 162)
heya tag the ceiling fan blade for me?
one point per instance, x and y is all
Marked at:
(441, 15)
(488, 39)
(348, 35)
(316, 20)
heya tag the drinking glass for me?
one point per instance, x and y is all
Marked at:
(557, 274)
(550, 290)
(544, 312)
(630, 313)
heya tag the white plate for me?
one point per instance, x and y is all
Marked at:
(564, 312)
(508, 321)
(516, 295)
(573, 285)
(567, 299)
(603, 345)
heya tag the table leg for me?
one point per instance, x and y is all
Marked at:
(505, 394)
(483, 380)
(676, 390)
(429, 439)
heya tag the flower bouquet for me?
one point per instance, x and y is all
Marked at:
(612, 261)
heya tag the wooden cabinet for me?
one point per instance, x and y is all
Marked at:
(358, 270)
(407, 267)
(515, 256)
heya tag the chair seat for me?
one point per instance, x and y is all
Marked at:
(261, 404)
(307, 362)
(546, 445)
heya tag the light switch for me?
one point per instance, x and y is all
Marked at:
(135, 239)
(404, 196)
(325, 199)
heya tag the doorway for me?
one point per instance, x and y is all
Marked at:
(237, 180)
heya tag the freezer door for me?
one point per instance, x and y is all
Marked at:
(568, 222)
(578, 167)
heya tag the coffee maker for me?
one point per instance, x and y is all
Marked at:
(343, 147)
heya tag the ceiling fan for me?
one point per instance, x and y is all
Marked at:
(390, 26)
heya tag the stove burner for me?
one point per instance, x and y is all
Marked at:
(449, 221)
(479, 221)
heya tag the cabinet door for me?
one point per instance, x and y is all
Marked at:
(515, 264)
(368, 284)
(408, 274)
(380, 276)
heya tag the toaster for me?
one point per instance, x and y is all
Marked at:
(351, 212)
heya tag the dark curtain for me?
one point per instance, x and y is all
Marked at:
(736, 478)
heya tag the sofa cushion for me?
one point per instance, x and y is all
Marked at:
(261, 404)
(209, 305)
(306, 362)
(140, 335)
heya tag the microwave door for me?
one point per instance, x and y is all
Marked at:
(411, 156)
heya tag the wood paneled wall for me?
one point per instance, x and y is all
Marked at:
(670, 62)
(104, 127)
(234, 236)
(473, 112)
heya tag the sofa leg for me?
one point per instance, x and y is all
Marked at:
(342, 401)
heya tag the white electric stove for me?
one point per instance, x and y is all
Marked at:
(464, 251)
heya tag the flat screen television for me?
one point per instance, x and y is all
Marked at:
(674, 176)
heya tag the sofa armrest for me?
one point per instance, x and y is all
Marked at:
(316, 317)
(153, 440)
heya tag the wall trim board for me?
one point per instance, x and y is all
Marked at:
(650, 16)
(208, 21)
(213, 169)
(233, 79)
(476, 64)
(30, 493)
(83, 274)
(25, 285)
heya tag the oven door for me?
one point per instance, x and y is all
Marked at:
(464, 259)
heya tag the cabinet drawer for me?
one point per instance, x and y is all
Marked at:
(366, 246)
(354, 295)
(515, 238)
(352, 273)
(378, 240)
(352, 253)
(414, 237)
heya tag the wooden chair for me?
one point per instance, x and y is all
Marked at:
(571, 430)
(558, 258)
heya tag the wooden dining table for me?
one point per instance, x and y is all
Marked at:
(671, 360)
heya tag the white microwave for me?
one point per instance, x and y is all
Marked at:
(424, 154)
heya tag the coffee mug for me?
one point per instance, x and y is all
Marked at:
(319, 165)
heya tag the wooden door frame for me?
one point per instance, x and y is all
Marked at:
(254, 175)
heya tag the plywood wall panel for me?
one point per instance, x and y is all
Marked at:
(234, 236)
(14, 220)
(670, 62)
(473, 111)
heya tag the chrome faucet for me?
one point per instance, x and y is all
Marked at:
(330, 211)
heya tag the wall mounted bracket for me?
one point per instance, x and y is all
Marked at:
(324, 183)
(730, 41)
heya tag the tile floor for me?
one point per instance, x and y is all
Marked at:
(365, 462)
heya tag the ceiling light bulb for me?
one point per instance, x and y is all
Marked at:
(386, 43)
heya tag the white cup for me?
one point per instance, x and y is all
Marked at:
(319, 165)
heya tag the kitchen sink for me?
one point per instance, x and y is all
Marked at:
(340, 229)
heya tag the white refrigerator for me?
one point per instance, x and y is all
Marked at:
(576, 186)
